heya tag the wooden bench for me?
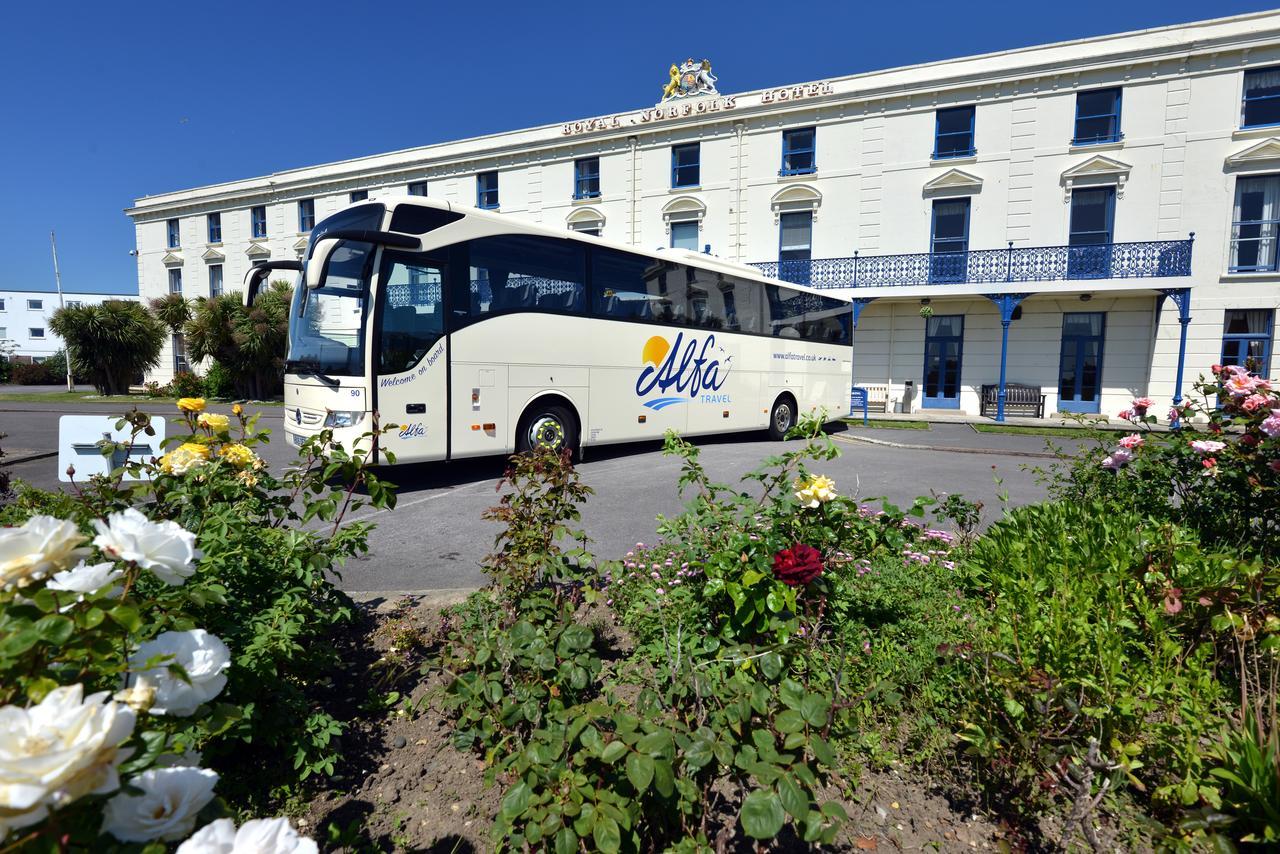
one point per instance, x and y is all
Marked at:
(1018, 398)
(877, 398)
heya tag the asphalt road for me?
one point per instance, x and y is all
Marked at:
(435, 538)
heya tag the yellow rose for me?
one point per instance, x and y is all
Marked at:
(215, 422)
(816, 490)
(238, 455)
(182, 459)
(191, 404)
(236, 409)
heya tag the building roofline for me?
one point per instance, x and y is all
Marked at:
(985, 67)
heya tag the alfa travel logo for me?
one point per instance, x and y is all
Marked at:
(694, 370)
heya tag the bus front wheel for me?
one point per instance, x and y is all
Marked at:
(782, 418)
(547, 426)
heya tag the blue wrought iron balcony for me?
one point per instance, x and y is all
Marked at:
(1143, 260)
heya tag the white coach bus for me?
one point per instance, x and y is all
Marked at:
(478, 334)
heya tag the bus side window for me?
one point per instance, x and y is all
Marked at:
(628, 287)
(743, 301)
(412, 315)
(521, 273)
(706, 297)
(827, 321)
(785, 312)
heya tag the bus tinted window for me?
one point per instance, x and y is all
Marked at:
(827, 322)
(796, 314)
(633, 287)
(519, 273)
(412, 314)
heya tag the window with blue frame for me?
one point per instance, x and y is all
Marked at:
(1261, 105)
(685, 161)
(1254, 224)
(175, 281)
(586, 178)
(306, 215)
(799, 152)
(949, 241)
(1097, 117)
(175, 239)
(1246, 338)
(215, 280)
(214, 223)
(1090, 238)
(795, 246)
(684, 235)
(953, 133)
(487, 191)
(418, 188)
(258, 221)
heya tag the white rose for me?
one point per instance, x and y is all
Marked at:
(203, 656)
(86, 578)
(259, 836)
(64, 747)
(167, 808)
(39, 547)
(165, 548)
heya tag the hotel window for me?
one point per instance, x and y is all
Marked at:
(684, 235)
(586, 178)
(175, 281)
(418, 188)
(591, 226)
(73, 303)
(180, 365)
(306, 214)
(175, 239)
(215, 227)
(1, 304)
(795, 246)
(487, 191)
(1097, 117)
(1246, 338)
(36, 331)
(1253, 225)
(215, 280)
(1261, 98)
(799, 152)
(258, 221)
(949, 242)
(953, 133)
(359, 195)
(1092, 231)
(4, 333)
(685, 165)
(35, 305)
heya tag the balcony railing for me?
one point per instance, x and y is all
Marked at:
(1149, 259)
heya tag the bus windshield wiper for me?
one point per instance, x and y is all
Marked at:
(309, 367)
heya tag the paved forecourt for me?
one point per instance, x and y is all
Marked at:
(435, 538)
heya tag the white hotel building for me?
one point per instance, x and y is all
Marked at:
(1051, 191)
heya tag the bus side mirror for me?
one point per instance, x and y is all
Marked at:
(257, 275)
(318, 261)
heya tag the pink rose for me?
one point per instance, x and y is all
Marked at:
(1131, 441)
(1255, 402)
(1127, 414)
(1241, 385)
(1217, 369)
(1142, 404)
(1271, 425)
(1207, 446)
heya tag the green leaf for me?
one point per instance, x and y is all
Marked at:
(126, 616)
(793, 798)
(771, 665)
(55, 628)
(655, 744)
(516, 800)
(822, 750)
(815, 708)
(834, 810)
(566, 841)
(640, 770)
(607, 836)
(19, 641)
(762, 815)
(45, 600)
(664, 780)
(613, 751)
(92, 618)
(698, 754)
(788, 721)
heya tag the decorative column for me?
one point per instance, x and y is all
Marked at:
(1182, 299)
(1006, 303)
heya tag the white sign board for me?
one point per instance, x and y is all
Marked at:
(78, 444)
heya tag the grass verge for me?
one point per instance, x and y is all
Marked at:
(1019, 430)
(878, 424)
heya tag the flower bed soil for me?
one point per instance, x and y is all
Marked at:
(403, 782)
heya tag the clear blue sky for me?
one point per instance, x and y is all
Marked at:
(106, 102)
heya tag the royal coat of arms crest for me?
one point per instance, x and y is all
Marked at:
(690, 78)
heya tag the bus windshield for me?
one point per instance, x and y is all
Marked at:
(326, 324)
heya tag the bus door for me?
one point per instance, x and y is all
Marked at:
(410, 358)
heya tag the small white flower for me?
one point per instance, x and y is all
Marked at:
(61, 749)
(167, 808)
(140, 695)
(86, 578)
(203, 656)
(38, 548)
(259, 836)
(165, 548)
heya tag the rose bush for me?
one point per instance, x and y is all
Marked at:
(148, 629)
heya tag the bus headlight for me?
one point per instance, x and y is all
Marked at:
(343, 419)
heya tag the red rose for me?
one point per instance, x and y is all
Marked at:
(798, 565)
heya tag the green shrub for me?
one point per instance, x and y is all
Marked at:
(186, 384)
(111, 343)
(32, 374)
(219, 382)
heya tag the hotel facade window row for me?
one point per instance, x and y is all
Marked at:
(1054, 191)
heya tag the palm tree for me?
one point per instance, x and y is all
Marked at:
(111, 343)
(173, 310)
(248, 342)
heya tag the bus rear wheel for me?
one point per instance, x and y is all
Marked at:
(782, 418)
(547, 426)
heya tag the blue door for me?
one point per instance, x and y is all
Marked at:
(943, 352)
(1080, 364)
(1092, 226)
(1246, 339)
(949, 242)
